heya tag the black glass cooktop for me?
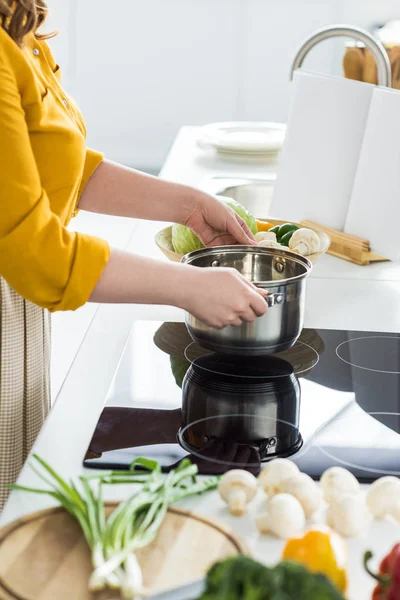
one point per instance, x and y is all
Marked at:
(332, 399)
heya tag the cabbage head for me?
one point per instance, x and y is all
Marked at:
(184, 240)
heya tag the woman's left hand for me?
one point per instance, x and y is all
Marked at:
(218, 225)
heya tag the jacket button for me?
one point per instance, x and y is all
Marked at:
(65, 102)
(36, 52)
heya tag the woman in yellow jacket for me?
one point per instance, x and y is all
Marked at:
(46, 174)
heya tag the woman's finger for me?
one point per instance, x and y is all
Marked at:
(255, 288)
(238, 232)
(245, 227)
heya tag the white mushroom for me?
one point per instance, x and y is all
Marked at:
(237, 488)
(284, 516)
(274, 473)
(348, 515)
(336, 481)
(383, 496)
(271, 244)
(306, 241)
(265, 235)
(307, 492)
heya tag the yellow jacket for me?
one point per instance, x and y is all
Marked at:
(44, 166)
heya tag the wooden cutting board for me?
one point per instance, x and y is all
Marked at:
(44, 556)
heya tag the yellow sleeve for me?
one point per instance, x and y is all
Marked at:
(92, 161)
(43, 261)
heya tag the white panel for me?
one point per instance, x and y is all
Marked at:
(321, 150)
(374, 211)
(146, 68)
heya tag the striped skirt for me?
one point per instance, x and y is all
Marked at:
(24, 381)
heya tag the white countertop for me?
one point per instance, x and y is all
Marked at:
(91, 342)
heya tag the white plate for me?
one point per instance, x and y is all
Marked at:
(243, 137)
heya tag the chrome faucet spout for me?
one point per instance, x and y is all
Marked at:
(377, 49)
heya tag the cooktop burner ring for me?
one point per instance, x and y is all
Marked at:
(347, 343)
(296, 448)
(373, 469)
(308, 367)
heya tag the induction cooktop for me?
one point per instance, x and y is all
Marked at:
(332, 399)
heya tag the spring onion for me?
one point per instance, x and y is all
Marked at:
(114, 539)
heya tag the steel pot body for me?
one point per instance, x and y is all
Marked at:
(282, 273)
(230, 402)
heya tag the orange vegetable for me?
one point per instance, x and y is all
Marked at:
(321, 551)
(264, 225)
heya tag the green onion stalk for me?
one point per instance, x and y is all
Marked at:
(114, 539)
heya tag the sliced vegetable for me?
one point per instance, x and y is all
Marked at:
(242, 578)
(388, 587)
(134, 523)
(263, 225)
(321, 551)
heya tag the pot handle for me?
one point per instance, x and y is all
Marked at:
(273, 299)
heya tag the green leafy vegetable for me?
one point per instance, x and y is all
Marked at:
(184, 240)
(179, 368)
(134, 524)
(242, 578)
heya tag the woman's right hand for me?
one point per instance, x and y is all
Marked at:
(220, 297)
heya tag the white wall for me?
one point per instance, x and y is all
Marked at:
(150, 66)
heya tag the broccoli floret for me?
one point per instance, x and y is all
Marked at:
(242, 578)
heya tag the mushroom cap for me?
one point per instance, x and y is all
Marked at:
(305, 236)
(265, 235)
(306, 490)
(383, 496)
(237, 478)
(285, 516)
(348, 515)
(336, 481)
(270, 244)
(275, 472)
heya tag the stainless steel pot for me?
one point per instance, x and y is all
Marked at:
(282, 273)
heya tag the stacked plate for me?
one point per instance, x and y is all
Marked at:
(243, 138)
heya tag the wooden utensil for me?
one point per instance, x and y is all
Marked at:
(44, 556)
(348, 247)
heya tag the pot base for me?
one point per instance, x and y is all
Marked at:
(245, 350)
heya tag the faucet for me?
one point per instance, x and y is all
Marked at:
(377, 49)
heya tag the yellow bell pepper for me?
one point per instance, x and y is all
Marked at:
(264, 225)
(321, 551)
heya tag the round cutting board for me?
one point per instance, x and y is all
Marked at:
(44, 556)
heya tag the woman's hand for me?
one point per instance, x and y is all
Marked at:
(216, 224)
(220, 297)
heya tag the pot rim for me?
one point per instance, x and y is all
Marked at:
(276, 252)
